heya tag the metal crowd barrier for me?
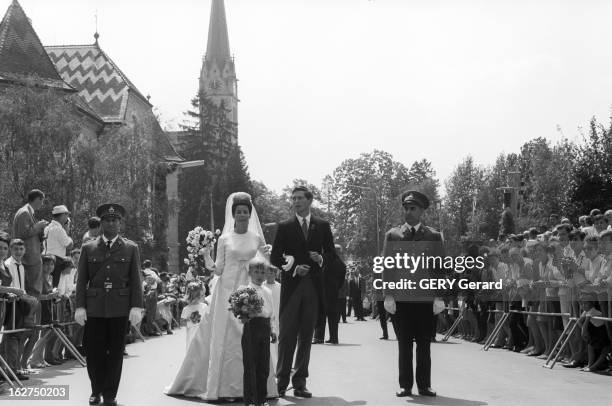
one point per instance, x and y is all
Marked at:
(456, 324)
(6, 370)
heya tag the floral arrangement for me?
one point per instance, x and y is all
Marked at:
(245, 303)
(199, 241)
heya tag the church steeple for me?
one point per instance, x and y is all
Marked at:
(218, 75)
(218, 40)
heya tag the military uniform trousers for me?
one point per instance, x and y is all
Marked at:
(414, 324)
(104, 341)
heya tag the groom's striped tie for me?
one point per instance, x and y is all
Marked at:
(305, 228)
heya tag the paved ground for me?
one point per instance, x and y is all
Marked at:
(362, 370)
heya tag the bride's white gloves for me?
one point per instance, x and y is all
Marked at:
(208, 261)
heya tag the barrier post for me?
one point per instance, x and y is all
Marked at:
(565, 337)
(496, 330)
(456, 323)
(138, 333)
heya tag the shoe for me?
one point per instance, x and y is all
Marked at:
(22, 377)
(331, 341)
(282, 393)
(53, 362)
(317, 341)
(110, 402)
(94, 399)
(169, 332)
(534, 354)
(427, 392)
(383, 338)
(302, 393)
(542, 356)
(574, 364)
(402, 393)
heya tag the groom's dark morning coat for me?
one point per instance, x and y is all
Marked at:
(290, 240)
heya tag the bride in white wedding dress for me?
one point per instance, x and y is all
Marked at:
(212, 368)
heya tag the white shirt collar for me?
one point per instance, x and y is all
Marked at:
(254, 285)
(14, 261)
(300, 218)
(106, 239)
(416, 226)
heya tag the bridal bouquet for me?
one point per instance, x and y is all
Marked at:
(200, 242)
(245, 303)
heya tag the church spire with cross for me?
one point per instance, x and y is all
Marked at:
(218, 74)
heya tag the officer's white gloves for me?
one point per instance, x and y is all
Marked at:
(80, 316)
(390, 304)
(135, 315)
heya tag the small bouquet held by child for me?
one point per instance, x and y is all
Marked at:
(245, 303)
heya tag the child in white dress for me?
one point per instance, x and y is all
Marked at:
(275, 287)
(195, 309)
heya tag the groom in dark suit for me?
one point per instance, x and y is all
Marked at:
(308, 239)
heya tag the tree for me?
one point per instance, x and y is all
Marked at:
(462, 189)
(367, 188)
(38, 129)
(203, 190)
(46, 143)
(547, 173)
(591, 180)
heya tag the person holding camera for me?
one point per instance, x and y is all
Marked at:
(57, 242)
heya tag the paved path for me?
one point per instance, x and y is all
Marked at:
(362, 370)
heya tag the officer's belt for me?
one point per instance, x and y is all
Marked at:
(101, 286)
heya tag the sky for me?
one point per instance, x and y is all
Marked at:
(321, 81)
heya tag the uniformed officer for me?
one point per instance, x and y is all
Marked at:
(108, 293)
(413, 316)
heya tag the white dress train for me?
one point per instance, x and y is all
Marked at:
(212, 367)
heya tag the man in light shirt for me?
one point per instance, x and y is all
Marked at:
(57, 241)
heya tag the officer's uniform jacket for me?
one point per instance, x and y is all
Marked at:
(109, 283)
(422, 237)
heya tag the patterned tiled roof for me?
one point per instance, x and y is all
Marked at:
(97, 78)
(21, 52)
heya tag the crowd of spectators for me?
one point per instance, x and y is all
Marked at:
(556, 275)
(38, 263)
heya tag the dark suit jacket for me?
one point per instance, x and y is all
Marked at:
(357, 287)
(289, 240)
(423, 234)
(99, 268)
(333, 277)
